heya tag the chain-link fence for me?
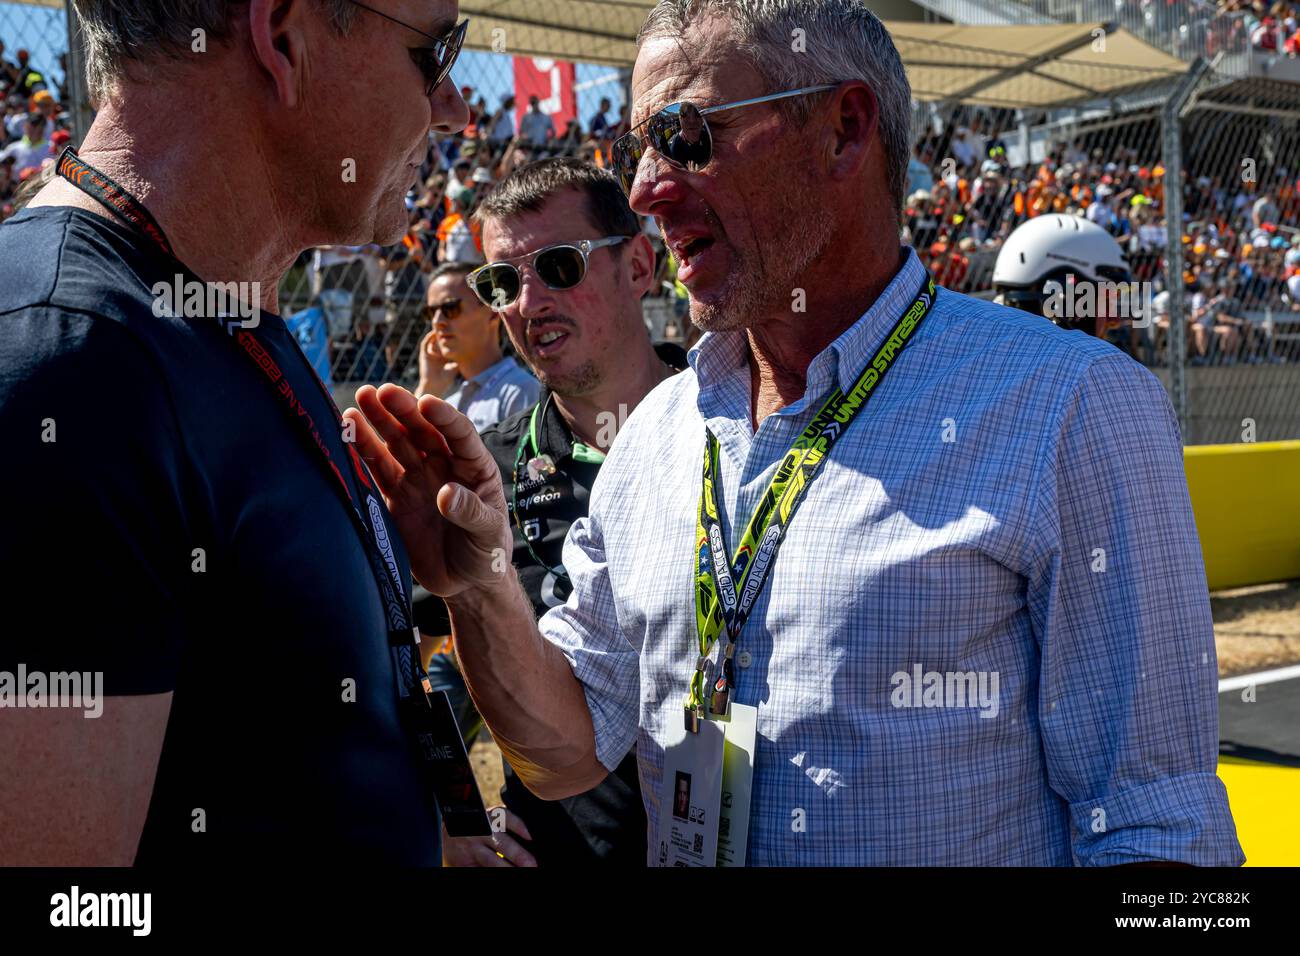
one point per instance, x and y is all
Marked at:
(1225, 337)
(1241, 265)
(361, 311)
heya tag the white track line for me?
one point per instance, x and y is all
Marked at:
(1243, 681)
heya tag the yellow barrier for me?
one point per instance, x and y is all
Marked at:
(1246, 499)
(1263, 798)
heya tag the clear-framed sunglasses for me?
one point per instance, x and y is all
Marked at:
(561, 266)
(680, 134)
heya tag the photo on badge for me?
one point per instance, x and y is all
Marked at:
(682, 803)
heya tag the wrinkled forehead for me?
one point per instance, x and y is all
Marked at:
(703, 65)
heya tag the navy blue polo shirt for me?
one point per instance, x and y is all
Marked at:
(181, 534)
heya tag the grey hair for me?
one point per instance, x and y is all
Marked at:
(841, 40)
(116, 32)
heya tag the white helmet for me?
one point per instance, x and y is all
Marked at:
(1050, 247)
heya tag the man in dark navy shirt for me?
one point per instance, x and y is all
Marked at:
(199, 502)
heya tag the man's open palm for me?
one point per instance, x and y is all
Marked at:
(441, 486)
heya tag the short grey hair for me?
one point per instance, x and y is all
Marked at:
(116, 32)
(841, 40)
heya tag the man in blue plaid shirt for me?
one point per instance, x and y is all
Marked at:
(985, 638)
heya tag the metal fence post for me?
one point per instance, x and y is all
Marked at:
(1171, 119)
(78, 94)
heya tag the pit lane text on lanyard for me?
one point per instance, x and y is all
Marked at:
(725, 590)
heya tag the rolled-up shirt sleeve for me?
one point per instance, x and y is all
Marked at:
(586, 630)
(1127, 705)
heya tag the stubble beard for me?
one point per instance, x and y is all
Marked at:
(581, 381)
(751, 291)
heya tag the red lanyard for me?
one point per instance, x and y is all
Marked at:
(371, 526)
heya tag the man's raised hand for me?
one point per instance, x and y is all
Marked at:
(441, 486)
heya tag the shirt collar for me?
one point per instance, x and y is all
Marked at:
(486, 376)
(718, 356)
(554, 437)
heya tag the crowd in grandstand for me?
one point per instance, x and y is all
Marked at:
(360, 310)
(349, 285)
(1270, 27)
(1241, 249)
(33, 127)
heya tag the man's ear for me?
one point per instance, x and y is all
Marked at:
(277, 29)
(641, 264)
(854, 124)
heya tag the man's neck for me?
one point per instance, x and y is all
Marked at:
(478, 364)
(781, 349)
(589, 416)
(214, 203)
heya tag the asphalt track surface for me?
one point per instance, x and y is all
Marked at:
(1259, 763)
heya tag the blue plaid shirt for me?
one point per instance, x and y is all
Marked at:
(496, 393)
(1010, 504)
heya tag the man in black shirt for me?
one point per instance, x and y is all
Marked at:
(587, 344)
(175, 460)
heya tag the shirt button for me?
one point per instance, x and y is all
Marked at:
(744, 658)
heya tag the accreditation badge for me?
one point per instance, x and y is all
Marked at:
(739, 736)
(704, 796)
(690, 795)
(446, 764)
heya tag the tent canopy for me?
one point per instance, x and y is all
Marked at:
(1014, 66)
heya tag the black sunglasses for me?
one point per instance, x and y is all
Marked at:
(560, 267)
(435, 62)
(452, 307)
(680, 134)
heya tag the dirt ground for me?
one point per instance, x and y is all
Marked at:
(1255, 628)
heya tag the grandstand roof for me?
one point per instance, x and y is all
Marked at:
(1015, 66)
(1039, 65)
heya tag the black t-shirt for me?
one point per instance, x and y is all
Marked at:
(168, 439)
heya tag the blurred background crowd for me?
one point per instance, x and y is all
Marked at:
(1241, 245)
(360, 315)
(35, 129)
